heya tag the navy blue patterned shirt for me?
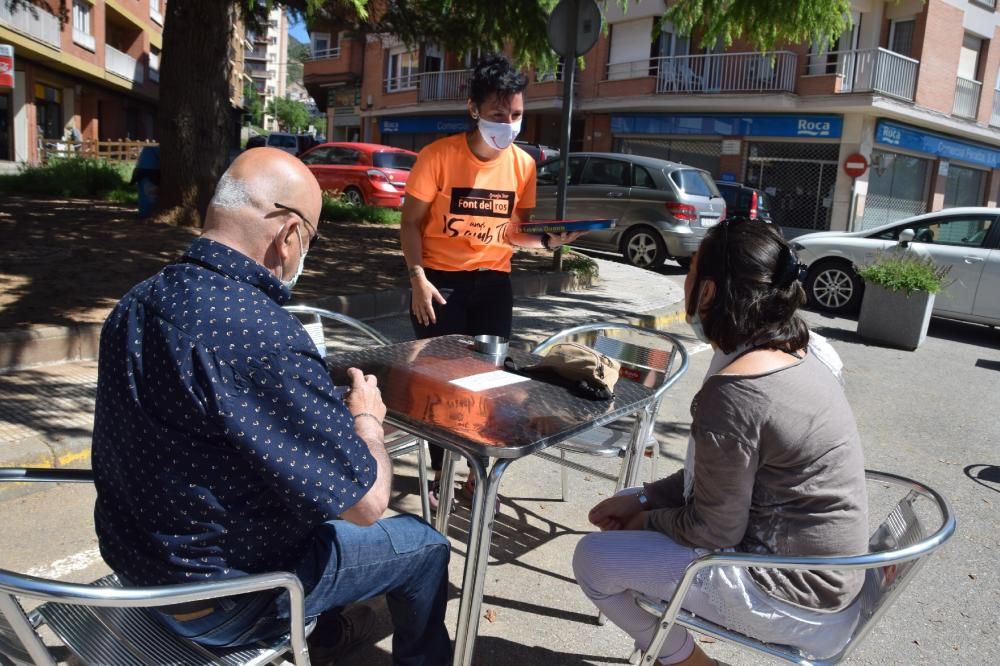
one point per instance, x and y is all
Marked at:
(219, 446)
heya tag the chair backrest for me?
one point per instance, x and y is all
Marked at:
(316, 320)
(649, 357)
(20, 643)
(898, 547)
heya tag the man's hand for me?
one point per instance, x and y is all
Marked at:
(365, 397)
(424, 296)
(618, 513)
(558, 240)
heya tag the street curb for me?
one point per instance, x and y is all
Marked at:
(42, 452)
(660, 318)
(35, 346)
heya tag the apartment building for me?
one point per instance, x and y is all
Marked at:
(913, 87)
(266, 61)
(96, 73)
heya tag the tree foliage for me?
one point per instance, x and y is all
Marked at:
(765, 24)
(252, 106)
(292, 116)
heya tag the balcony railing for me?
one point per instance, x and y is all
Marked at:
(772, 71)
(402, 82)
(323, 54)
(122, 64)
(35, 22)
(441, 86)
(869, 70)
(257, 53)
(995, 117)
(966, 98)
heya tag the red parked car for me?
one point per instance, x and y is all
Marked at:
(366, 173)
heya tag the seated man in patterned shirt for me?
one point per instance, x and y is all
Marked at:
(220, 448)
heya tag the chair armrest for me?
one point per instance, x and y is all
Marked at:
(45, 475)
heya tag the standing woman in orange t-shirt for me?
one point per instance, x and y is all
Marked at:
(465, 198)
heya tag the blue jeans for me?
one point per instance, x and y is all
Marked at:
(401, 557)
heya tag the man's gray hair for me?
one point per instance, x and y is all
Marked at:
(231, 194)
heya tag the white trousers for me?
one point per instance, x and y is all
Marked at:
(614, 567)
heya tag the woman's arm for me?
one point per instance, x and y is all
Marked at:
(725, 469)
(411, 231)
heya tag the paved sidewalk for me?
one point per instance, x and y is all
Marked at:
(46, 413)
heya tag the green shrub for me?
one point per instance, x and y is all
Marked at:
(128, 196)
(338, 209)
(904, 271)
(581, 264)
(77, 177)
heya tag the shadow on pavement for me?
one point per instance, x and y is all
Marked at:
(987, 476)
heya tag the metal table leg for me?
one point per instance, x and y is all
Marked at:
(480, 535)
(635, 451)
(447, 492)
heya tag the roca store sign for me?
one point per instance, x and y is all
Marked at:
(811, 126)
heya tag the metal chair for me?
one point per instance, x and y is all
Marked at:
(318, 323)
(652, 358)
(113, 625)
(897, 550)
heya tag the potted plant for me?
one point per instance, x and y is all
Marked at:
(899, 296)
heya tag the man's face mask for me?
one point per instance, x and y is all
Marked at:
(499, 135)
(290, 283)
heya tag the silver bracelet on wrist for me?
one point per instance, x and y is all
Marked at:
(369, 415)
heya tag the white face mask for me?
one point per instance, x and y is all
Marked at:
(499, 135)
(290, 283)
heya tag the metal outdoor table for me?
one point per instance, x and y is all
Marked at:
(501, 424)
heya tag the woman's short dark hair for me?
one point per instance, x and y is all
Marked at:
(496, 75)
(758, 290)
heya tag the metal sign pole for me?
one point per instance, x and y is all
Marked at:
(569, 77)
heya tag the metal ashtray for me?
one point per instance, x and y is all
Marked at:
(492, 345)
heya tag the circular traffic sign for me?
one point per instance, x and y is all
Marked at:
(855, 165)
(587, 28)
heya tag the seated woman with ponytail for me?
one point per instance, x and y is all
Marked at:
(774, 466)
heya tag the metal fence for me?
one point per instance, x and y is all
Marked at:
(966, 97)
(111, 151)
(799, 180)
(770, 71)
(869, 70)
(450, 85)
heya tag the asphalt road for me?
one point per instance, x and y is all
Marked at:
(929, 414)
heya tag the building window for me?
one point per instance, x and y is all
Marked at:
(325, 47)
(48, 111)
(154, 11)
(82, 33)
(901, 36)
(154, 63)
(402, 72)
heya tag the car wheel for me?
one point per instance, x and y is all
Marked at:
(644, 248)
(834, 286)
(354, 197)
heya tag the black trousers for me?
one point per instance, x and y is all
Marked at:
(479, 303)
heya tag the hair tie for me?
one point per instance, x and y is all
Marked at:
(789, 269)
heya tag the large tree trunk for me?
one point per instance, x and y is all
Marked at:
(197, 124)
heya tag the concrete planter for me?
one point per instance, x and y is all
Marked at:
(893, 318)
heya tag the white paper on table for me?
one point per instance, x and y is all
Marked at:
(488, 380)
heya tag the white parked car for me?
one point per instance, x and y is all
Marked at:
(967, 239)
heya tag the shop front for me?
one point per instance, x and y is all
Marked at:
(415, 132)
(914, 171)
(792, 157)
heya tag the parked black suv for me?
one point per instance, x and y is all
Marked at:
(745, 201)
(539, 152)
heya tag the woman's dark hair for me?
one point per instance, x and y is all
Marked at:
(496, 75)
(758, 288)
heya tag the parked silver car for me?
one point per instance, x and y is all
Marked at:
(967, 239)
(663, 208)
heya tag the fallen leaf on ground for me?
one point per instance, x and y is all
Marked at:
(706, 639)
(491, 615)
(972, 576)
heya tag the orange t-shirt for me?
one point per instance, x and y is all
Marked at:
(472, 202)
